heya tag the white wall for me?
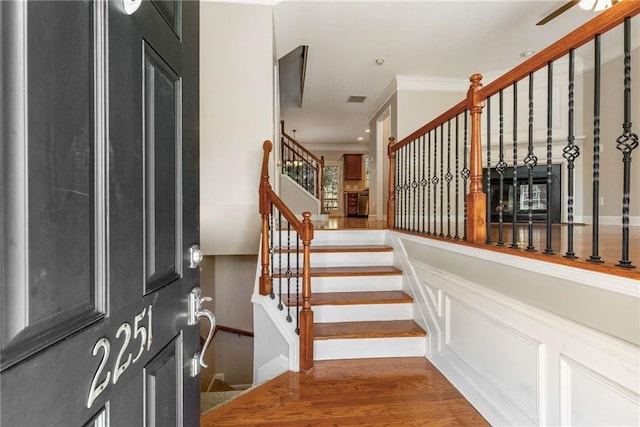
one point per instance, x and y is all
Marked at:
(236, 116)
(417, 108)
(297, 198)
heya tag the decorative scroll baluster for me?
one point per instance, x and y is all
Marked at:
(457, 174)
(434, 180)
(570, 152)
(626, 143)
(423, 182)
(448, 177)
(427, 183)
(501, 168)
(442, 181)
(488, 183)
(530, 162)
(465, 173)
(405, 188)
(514, 207)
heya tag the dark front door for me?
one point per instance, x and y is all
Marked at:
(99, 194)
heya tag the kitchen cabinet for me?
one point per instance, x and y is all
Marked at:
(352, 167)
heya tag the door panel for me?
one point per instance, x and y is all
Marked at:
(99, 208)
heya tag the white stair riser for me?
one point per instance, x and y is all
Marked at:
(351, 259)
(356, 284)
(369, 348)
(362, 312)
(333, 237)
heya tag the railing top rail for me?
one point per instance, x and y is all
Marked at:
(267, 194)
(602, 23)
(442, 118)
(313, 165)
(299, 146)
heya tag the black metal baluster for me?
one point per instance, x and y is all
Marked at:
(465, 173)
(405, 188)
(428, 183)
(434, 180)
(501, 168)
(457, 174)
(289, 273)
(448, 177)
(272, 250)
(626, 143)
(548, 250)
(530, 162)
(595, 205)
(397, 190)
(488, 183)
(570, 152)
(423, 182)
(414, 185)
(280, 260)
(442, 181)
(514, 201)
(298, 273)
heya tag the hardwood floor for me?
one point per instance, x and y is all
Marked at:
(391, 392)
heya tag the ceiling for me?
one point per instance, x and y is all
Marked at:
(451, 39)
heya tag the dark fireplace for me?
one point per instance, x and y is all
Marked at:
(521, 202)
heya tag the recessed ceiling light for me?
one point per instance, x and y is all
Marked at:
(527, 53)
(360, 138)
(367, 130)
(380, 61)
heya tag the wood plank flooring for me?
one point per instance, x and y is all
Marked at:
(381, 392)
(370, 329)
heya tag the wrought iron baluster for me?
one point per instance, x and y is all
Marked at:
(488, 183)
(457, 174)
(414, 185)
(448, 177)
(514, 201)
(530, 162)
(465, 172)
(570, 152)
(626, 143)
(407, 187)
(298, 272)
(595, 257)
(442, 181)
(272, 249)
(397, 189)
(434, 180)
(280, 260)
(427, 183)
(289, 272)
(423, 182)
(501, 168)
(548, 250)
(405, 202)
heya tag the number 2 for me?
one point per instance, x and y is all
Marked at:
(126, 328)
(96, 390)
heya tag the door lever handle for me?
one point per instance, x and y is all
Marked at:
(196, 312)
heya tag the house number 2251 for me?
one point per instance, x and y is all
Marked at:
(140, 333)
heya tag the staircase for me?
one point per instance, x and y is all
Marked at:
(360, 308)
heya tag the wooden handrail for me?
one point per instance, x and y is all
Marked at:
(304, 228)
(298, 145)
(311, 165)
(232, 331)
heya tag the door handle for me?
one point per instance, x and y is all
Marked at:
(196, 312)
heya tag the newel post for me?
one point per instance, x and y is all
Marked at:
(265, 211)
(391, 202)
(306, 315)
(476, 199)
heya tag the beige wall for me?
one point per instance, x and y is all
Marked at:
(379, 153)
(611, 117)
(236, 116)
(417, 108)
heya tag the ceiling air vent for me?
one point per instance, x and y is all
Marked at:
(356, 99)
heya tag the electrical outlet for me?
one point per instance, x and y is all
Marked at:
(601, 201)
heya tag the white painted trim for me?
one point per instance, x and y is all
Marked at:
(272, 369)
(432, 84)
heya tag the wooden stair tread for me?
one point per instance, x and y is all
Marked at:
(340, 249)
(353, 298)
(374, 270)
(377, 329)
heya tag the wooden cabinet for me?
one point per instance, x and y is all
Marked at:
(352, 167)
(352, 204)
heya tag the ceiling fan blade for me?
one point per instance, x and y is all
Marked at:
(562, 9)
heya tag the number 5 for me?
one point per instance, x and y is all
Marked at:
(140, 330)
